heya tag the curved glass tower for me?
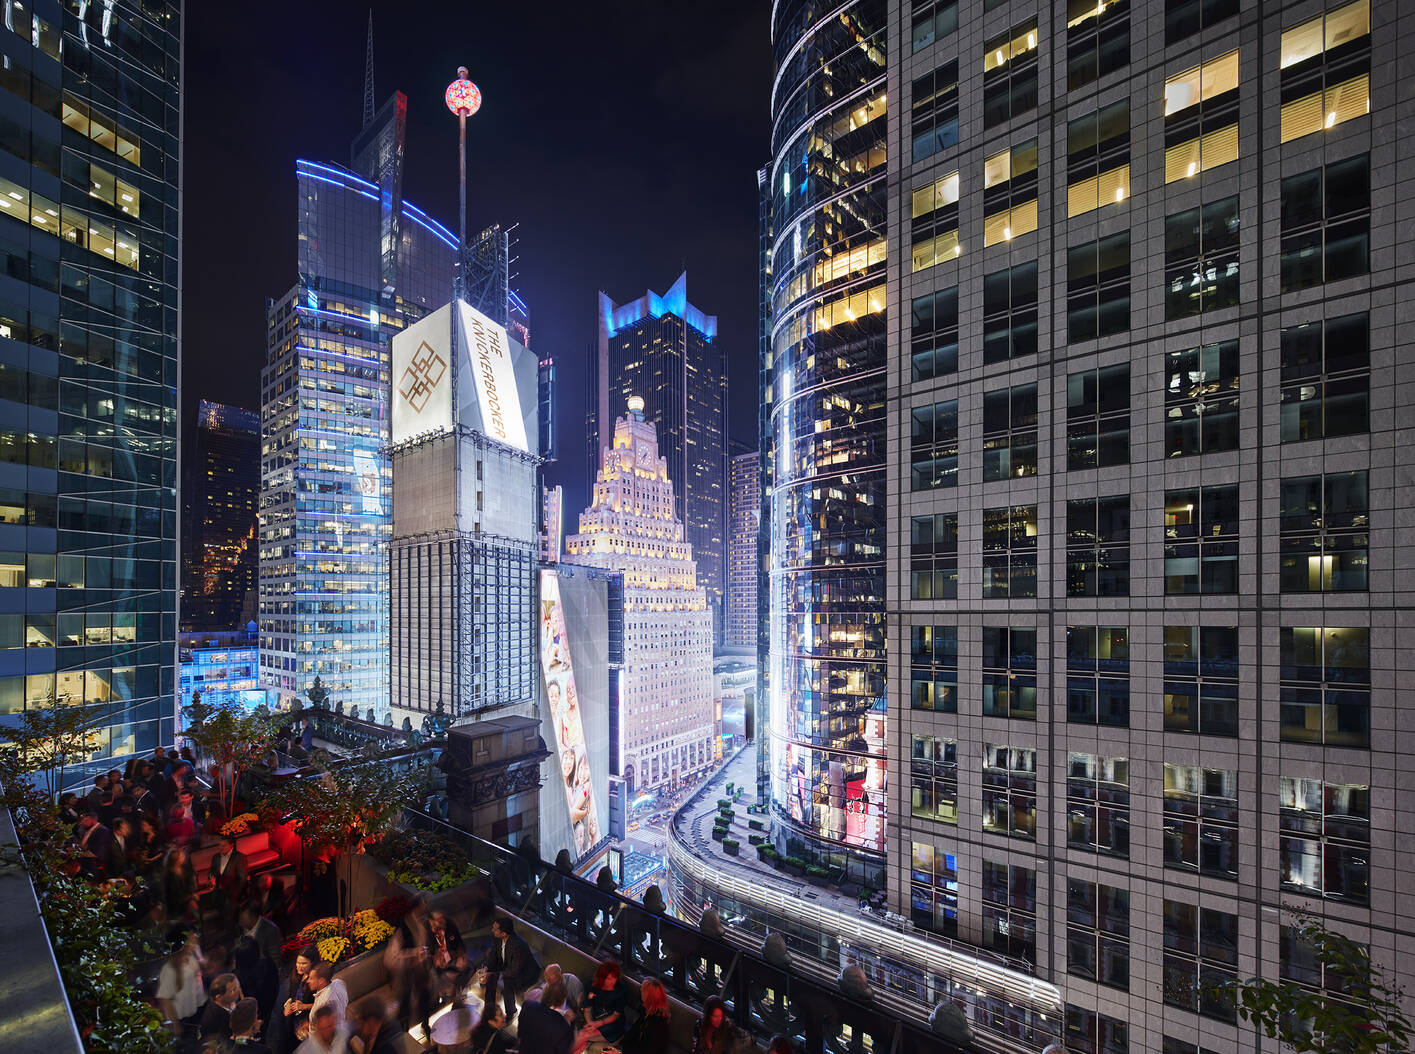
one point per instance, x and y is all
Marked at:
(828, 212)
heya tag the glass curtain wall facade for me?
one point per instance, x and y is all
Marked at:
(326, 509)
(90, 202)
(222, 493)
(828, 345)
(1148, 547)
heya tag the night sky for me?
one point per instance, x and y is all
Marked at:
(623, 137)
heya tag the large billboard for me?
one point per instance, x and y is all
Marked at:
(422, 377)
(572, 770)
(487, 353)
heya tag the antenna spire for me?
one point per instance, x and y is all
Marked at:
(368, 74)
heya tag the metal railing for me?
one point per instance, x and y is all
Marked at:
(762, 998)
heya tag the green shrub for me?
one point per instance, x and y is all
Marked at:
(756, 825)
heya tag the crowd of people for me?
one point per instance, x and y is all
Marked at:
(221, 986)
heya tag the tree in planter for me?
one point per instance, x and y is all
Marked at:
(96, 950)
(1359, 1012)
(231, 740)
(46, 742)
(342, 810)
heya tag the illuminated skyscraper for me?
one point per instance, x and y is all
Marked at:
(369, 263)
(828, 347)
(1145, 564)
(222, 493)
(90, 272)
(744, 505)
(632, 526)
(666, 351)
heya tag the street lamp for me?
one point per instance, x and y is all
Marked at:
(463, 99)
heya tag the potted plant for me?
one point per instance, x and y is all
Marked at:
(731, 846)
(718, 833)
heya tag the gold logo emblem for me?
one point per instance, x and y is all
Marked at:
(421, 377)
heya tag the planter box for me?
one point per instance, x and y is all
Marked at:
(755, 839)
(719, 833)
(756, 825)
(731, 847)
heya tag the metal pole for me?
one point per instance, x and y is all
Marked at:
(462, 206)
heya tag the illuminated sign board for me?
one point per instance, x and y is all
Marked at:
(572, 757)
(487, 350)
(422, 377)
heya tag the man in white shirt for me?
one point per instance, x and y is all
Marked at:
(180, 992)
(328, 991)
(328, 1034)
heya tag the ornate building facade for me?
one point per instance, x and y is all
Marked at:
(666, 699)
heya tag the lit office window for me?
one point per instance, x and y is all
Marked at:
(1326, 67)
(1010, 74)
(934, 780)
(934, 231)
(934, 668)
(1010, 193)
(1010, 791)
(1010, 552)
(934, 893)
(1201, 540)
(1325, 523)
(1010, 433)
(1201, 118)
(1326, 685)
(1201, 400)
(1098, 159)
(933, 557)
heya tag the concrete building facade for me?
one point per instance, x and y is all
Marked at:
(1148, 274)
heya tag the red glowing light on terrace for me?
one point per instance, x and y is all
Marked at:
(463, 97)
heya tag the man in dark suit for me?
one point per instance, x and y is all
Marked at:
(262, 931)
(245, 1024)
(95, 841)
(225, 992)
(511, 960)
(119, 846)
(228, 875)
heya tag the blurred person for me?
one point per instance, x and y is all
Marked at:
(261, 930)
(257, 974)
(245, 1028)
(541, 1030)
(449, 956)
(715, 1033)
(180, 992)
(574, 989)
(490, 1035)
(376, 1031)
(650, 1034)
(327, 1033)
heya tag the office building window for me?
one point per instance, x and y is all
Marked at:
(1200, 959)
(1325, 685)
(935, 889)
(1098, 547)
(1010, 552)
(1097, 40)
(1088, 1032)
(1098, 158)
(1201, 259)
(1300, 963)
(933, 20)
(1010, 672)
(934, 234)
(1326, 224)
(1325, 838)
(1326, 378)
(1098, 675)
(1326, 70)
(1010, 791)
(1201, 540)
(1010, 74)
(1098, 934)
(1010, 909)
(1098, 804)
(934, 334)
(934, 115)
(933, 557)
(934, 780)
(1010, 313)
(1171, 1045)
(1201, 820)
(1201, 680)
(1010, 433)
(1201, 118)
(1325, 544)
(1098, 417)
(1201, 400)
(1098, 287)
(1010, 193)
(1184, 18)
(934, 676)
(934, 446)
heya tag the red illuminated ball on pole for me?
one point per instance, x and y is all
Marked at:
(463, 97)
